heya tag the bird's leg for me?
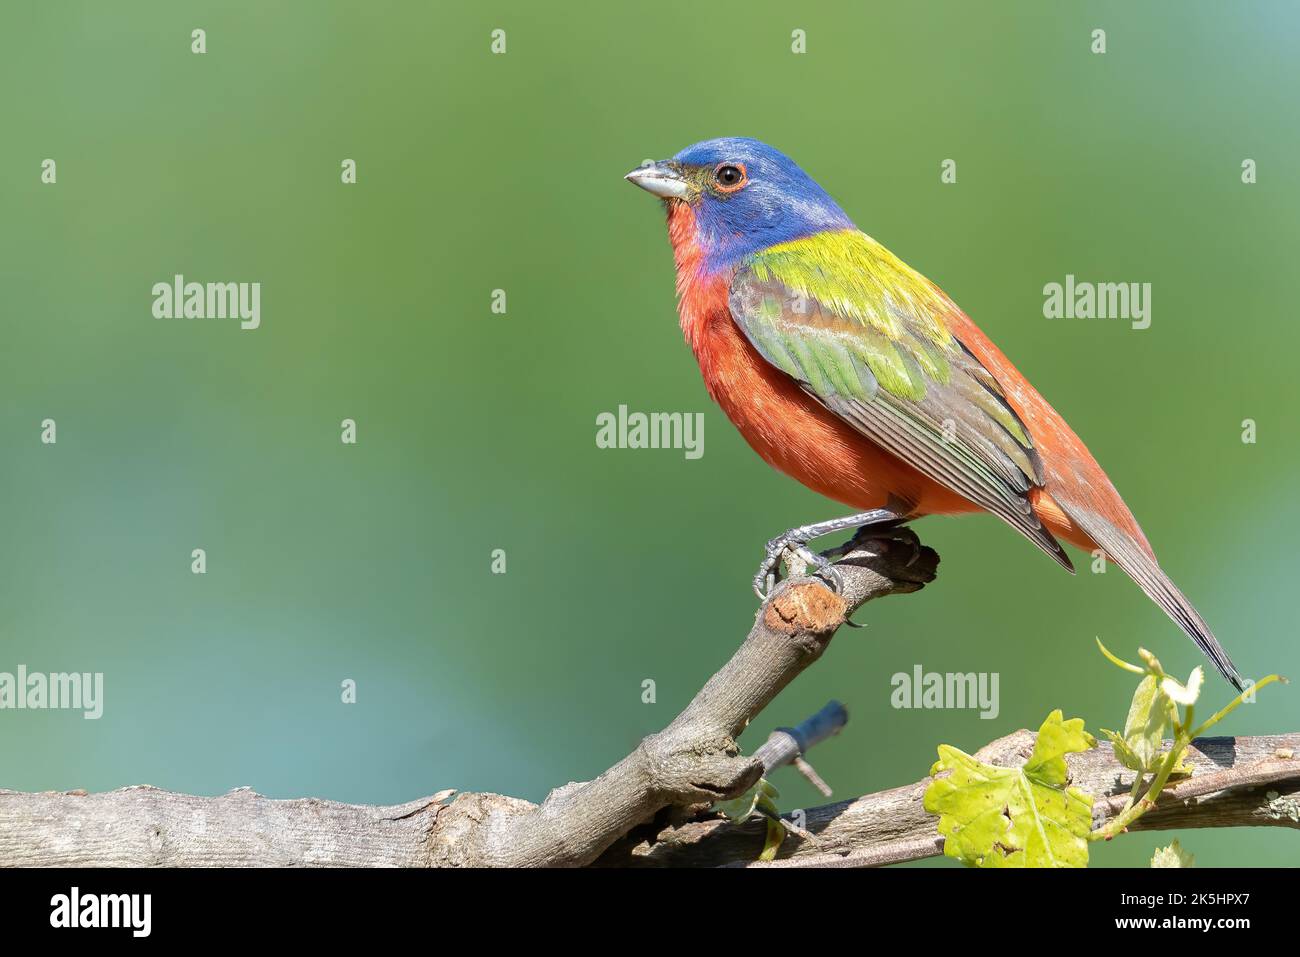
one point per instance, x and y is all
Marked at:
(796, 540)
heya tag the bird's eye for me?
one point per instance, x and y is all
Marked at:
(729, 177)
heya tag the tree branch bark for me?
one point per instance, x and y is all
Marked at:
(647, 810)
(1238, 782)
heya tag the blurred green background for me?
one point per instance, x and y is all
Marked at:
(476, 431)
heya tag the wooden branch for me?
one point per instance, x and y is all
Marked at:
(650, 808)
(693, 762)
(144, 826)
(1245, 781)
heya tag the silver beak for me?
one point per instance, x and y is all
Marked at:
(660, 179)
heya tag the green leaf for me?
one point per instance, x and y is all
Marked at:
(1172, 856)
(1123, 752)
(741, 809)
(759, 800)
(1144, 730)
(1015, 817)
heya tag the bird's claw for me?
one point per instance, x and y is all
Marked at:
(769, 569)
(792, 546)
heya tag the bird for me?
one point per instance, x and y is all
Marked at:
(849, 371)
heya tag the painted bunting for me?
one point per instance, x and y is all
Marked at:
(848, 370)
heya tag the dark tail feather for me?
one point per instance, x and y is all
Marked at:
(1144, 570)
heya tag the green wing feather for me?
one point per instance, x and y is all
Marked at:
(866, 335)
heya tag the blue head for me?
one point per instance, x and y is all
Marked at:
(744, 195)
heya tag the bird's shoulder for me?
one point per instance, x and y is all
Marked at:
(853, 279)
(841, 289)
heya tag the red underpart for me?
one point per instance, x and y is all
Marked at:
(798, 436)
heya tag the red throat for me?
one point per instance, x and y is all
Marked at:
(698, 294)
